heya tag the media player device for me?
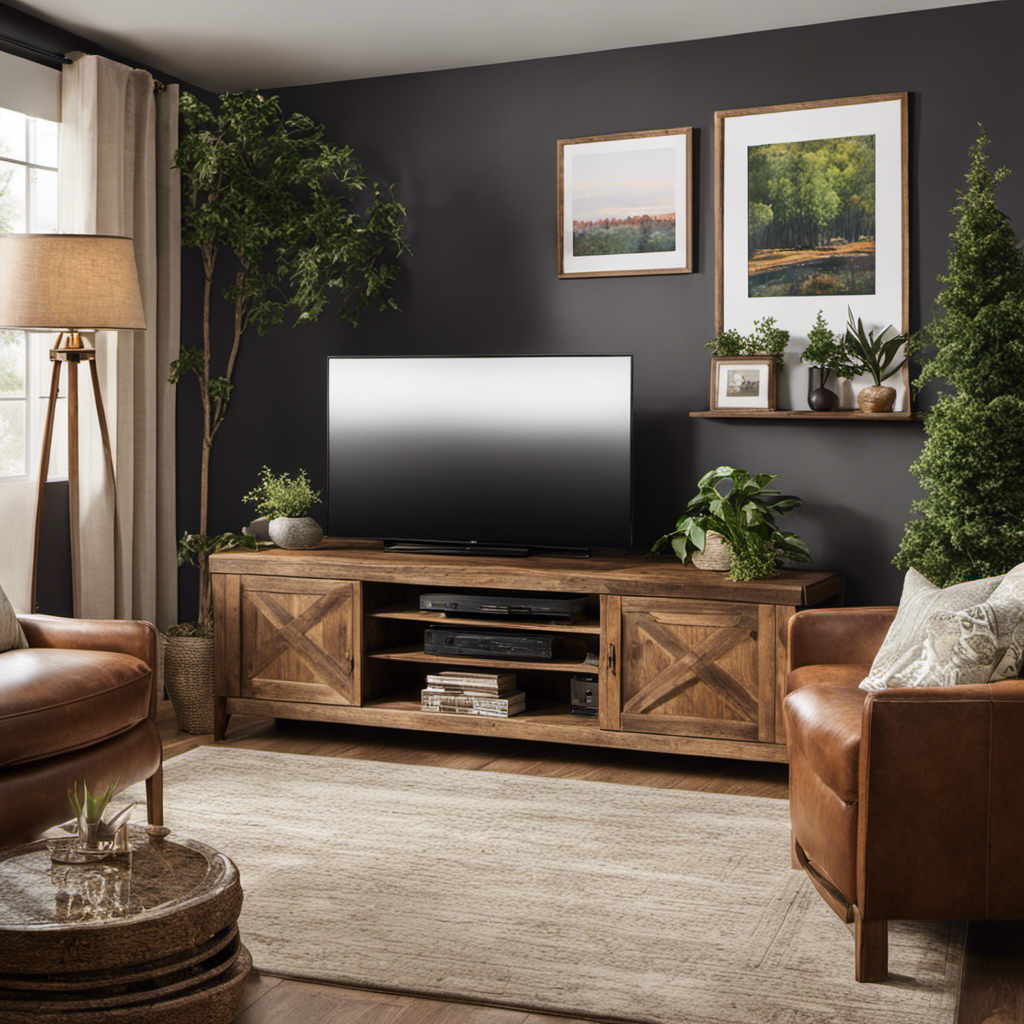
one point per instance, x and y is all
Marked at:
(511, 646)
(509, 604)
(583, 695)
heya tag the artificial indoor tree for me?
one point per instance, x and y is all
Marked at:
(972, 466)
(295, 225)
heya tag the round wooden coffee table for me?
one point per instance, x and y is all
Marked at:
(152, 937)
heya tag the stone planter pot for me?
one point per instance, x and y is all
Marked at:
(189, 678)
(717, 555)
(876, 399)
(295, 534)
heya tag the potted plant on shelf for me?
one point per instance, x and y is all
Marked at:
(285, 500)
(876, 356)
(826, 353)
(736, 530)
(297, 227)
(764, 340)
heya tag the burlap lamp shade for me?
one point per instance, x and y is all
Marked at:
(69, 282)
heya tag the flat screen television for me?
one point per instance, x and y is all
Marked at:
(468, 454)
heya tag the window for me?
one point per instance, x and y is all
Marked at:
(28, 202)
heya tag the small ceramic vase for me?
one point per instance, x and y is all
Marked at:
(819, 397)
(876, 399)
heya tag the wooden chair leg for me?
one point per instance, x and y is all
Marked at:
(795, 859)
(871, 941)
(220, 718)
(155, 797)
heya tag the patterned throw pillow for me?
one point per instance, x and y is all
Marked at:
(944, 636)
(11, 633)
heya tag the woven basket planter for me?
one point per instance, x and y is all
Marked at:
(717, 555)
(188, 676)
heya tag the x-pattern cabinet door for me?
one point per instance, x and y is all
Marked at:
(698, 668)
(298, 639)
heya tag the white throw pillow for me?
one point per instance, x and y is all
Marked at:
(11, 634)
(966, 633)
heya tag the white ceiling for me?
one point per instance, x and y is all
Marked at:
(231, 44)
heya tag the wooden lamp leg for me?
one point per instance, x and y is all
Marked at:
(871, 941)
(105, 435)
(73, 503)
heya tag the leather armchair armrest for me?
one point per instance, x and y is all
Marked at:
(837, 636)
(941, 785)
(119, 636)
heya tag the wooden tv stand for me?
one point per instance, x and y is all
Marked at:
(686, 660)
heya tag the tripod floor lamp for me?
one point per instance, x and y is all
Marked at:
(69, 283)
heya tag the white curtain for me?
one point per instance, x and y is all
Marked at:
(119, 131)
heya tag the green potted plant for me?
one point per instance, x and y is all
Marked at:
(764, 340)
(285, 500)
(877, 356)
(295, 226)
(735, 530)
(826, 353)
(89, 811)
(967, 524)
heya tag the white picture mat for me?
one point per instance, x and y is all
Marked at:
(726, 401)
(670, 259)
(796, 314)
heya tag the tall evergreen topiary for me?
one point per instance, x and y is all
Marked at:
(972, 466)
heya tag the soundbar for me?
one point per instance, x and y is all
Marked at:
(505, 645)
(511, 604)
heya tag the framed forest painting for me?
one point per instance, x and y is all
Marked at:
(624, 204)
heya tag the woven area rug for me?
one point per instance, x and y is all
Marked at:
(584, 898)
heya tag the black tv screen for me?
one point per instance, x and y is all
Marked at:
(529, 451)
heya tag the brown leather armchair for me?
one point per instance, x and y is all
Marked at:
(905, 803)
(78, 703)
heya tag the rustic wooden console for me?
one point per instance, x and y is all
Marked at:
(686, 661)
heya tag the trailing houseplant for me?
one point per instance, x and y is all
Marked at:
(295, 224)
(285, 500)
(829, 352)
(878, 356)
(765, 339)
(969, 523)
(743, 518)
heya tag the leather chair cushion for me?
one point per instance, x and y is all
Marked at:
(827, 675)
(53, 701)
(824, 722)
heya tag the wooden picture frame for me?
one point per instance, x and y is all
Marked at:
(605, 225)
(743, 383)
(775, 258)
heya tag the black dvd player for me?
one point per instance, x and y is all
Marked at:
(507, 604)
(510, 646)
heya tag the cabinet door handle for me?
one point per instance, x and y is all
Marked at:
(611, 658)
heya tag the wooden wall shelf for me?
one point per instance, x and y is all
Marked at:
(801, 414)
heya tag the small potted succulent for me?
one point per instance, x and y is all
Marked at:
(736, 530)
(877, 356)
(826, 353)
(285, 500)
(89, 815)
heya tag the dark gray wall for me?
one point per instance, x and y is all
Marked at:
(472, 154)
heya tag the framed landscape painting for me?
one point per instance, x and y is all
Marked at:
(811, 213)
(624, 204)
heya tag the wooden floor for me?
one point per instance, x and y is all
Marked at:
(992, 991)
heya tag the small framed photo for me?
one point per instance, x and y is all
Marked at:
(624, 204)
(742, 382)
